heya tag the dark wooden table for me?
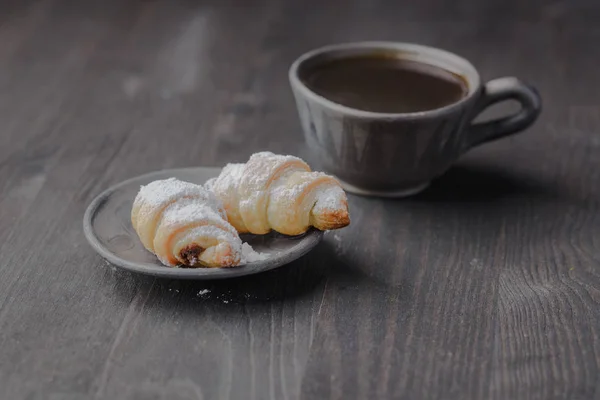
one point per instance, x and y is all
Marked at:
(487, 286)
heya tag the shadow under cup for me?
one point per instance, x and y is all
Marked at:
(398, 154)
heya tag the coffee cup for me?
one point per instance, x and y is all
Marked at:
(389, 130)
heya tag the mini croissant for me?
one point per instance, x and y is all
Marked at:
(281, 193)
(183, 223)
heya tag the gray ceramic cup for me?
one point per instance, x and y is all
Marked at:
(395, 155)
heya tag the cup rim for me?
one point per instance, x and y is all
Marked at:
(473, 82)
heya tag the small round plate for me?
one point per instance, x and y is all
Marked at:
(107, 227)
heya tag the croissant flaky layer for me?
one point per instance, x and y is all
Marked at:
(184, 224)
(281, 193)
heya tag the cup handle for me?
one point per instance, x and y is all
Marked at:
(498, 90)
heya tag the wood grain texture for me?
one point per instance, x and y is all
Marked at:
(487, 286)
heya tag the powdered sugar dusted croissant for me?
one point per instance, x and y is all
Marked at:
(281, 193)
(183, 223)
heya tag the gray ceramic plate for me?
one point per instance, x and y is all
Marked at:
(107, 227)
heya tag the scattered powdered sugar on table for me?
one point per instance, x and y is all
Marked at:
(249, 255)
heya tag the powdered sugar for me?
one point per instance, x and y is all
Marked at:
(329, 198)
(249, 255)
(164, 191)
(261, 167)
(290, 185)
(228, 179)
(188, 211)
(327, 195)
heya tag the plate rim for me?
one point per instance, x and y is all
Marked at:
(312, 238)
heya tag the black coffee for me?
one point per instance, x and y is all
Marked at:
(384, 84)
